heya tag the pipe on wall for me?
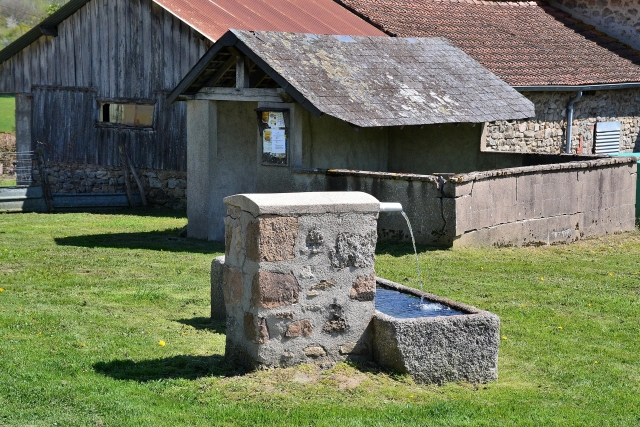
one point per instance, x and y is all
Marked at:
(570, 119)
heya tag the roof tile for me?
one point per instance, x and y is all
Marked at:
(420, 81)
(524, 43)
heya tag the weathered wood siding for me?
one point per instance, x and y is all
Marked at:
(118, 50)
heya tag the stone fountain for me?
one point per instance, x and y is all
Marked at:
(297, 285)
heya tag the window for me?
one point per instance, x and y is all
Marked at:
(137, 115)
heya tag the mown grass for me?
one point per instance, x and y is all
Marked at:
(7, 114)
(7, 181)
(87, 299)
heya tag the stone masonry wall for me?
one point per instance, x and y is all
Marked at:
(544, 204)
(553, 199)
(298, 286)
(617, 18)
(546, 132)
(162, 188)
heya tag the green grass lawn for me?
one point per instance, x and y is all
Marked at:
(7, 181)
(7, 114)
(88, 299)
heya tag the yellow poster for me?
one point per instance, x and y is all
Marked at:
(266, 141)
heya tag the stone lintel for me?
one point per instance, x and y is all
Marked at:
(290, 204)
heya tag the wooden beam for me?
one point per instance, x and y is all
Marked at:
(221, 71)
(233, 94)
(258, 78)
(242, 72)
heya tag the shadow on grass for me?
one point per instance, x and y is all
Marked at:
(165, 240)
(149, 211)
(183, 367)
(395, 248)
(206, 324)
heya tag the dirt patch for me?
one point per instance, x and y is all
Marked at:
(348, 382)
(7, 155)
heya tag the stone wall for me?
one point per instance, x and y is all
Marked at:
(542, 204)
(298, 277)
(162, 188)
(617, 18)
(550, 199)
(546, 133)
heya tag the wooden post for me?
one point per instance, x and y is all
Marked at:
(46, 191)
(138, 181)
(125, 168)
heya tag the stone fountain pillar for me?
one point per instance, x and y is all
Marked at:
(298, 279)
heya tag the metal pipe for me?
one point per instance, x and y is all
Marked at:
(390, 207)
(570, 119)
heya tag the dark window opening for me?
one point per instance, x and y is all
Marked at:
(127, 114)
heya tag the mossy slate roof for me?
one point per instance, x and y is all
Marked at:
(383, 81)
(527, 43)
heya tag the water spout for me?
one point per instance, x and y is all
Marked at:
(397, 207)
(390, 207)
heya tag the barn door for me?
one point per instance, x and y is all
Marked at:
(63, 121)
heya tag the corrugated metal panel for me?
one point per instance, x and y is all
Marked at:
(607, 137)
(213, 19)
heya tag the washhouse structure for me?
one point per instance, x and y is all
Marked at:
(399, 118)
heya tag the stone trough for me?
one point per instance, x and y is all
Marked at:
(438, 349)
(297, 285)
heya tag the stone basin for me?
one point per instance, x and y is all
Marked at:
(297, 285)
(438, 349)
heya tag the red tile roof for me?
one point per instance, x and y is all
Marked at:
(212, 18)
(524, 43)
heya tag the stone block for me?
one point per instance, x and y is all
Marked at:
(304, 203)
(354, 250)
(315, 351)
(460, 209)
(255, 329)
(218, 310)
(500, 235)
(457, 188)
(271, 290)
(355, 348)
(271, 239)
(299, 328)
(364, 288)
(435, 350)
(232, 286)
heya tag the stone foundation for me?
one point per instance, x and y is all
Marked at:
(167, 189)
(298, 277)
(546, 133)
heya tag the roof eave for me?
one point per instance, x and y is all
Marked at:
(34, 34)
(230, 39)
(574, 88)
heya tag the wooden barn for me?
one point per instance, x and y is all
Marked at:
(92, 80)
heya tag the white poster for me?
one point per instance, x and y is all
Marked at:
(278, 142)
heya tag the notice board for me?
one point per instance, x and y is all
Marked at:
(274, 136)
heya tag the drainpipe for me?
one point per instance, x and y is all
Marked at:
(570, 119)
